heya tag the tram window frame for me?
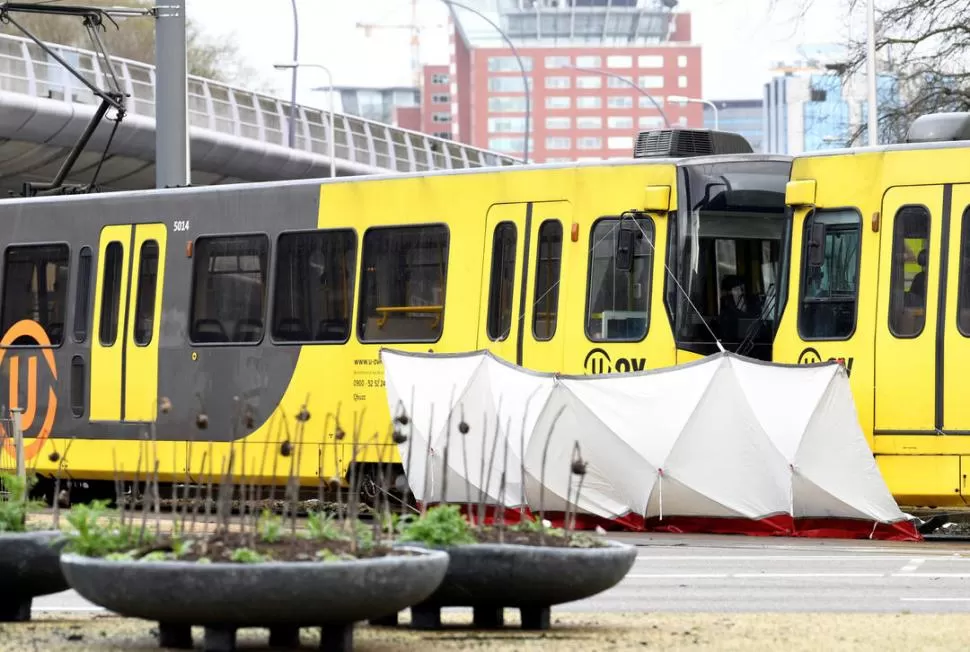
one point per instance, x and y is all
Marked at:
(803, 273)
(502, 267)
(276, 294)
(894, 275)
(111, 309)
(198, 250)
(140, 295)
(963, 283)
(82, 294)
(550, 287)
(648, 271)
(363, 303)
(64, 292)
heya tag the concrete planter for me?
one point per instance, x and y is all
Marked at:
(491, 577)
(280, 596)
(29, 567)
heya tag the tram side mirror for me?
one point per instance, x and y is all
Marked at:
(625, 238)
(816, 245)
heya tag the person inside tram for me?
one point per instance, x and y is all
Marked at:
(916, 295)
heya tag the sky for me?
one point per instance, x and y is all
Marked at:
(741, 39)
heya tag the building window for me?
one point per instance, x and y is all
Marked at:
(313, 294)
(650, 122)
(907, 274)
(558, 123)
(557, 102)
(402, 286)
(589, 102)
(589, 142)
(507, 84)
(589, 122)
(509, 144)
(228, 289)
(557, 82)
(82, 302)
(442, 134)
(508, 64)
(645, 103)
(548, 263)
(440, 99)
(682, 81)
(441, 117)
(589, 82)
(620, 122)
(623, 81)
(439, 78)
(502, 284)
(650, 61)
(506, 104)
(682, 61)
(588, 62)
(557, 62)
(619, 61)
(620, 142)
(145, 298)
(35, 287)
(558, 142)
(619, 102)
(618, 291)
(652, 81)
(830, 289)
(506, 125)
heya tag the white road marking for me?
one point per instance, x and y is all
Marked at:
(804, 575)
(935, 599)
(679, 576)
(683, 558)
(912, 565)
(933, 575)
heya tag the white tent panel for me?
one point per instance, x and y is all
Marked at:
(670, 497)
(811, 500)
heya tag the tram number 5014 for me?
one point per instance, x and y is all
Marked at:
(181, 225)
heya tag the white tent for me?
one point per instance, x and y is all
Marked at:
(493, 397)
(721, 438)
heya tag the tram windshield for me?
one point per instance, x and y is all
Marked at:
(729, 251)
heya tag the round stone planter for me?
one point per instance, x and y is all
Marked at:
(280, 596)
(29, 567)
(490, 577)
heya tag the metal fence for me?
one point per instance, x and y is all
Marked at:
(25, 68)
(10, 444)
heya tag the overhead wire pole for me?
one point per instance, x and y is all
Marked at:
(871, 58)
(525, 78)
(626, 81)
(171, 89)
(296, 57)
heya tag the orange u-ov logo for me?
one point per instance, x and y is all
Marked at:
(35, 331)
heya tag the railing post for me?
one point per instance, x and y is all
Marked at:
(18, 442)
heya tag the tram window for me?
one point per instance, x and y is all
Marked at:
(618, 300)
(35, 288)
(402, 286)
(82, 303)
(111, 293)
(548, 263)
(229, 289)
(963, 302)
(502, 282)
(827, 310)
(314, 287)
(907, 281)
(145, 301)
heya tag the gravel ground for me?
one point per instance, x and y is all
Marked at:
(586, 632)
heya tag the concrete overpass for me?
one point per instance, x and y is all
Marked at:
(236, 135)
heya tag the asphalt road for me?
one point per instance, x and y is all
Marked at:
(753, 574)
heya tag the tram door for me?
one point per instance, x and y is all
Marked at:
(907, 311)
(522, 288)
(127, 311)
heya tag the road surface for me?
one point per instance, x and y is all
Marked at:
(759, 574)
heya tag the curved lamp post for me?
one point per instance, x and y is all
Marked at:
(525, 79)
(695, 100)
(626, 81)
(332, 131)
(296, 57)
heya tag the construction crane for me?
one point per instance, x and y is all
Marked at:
(415, 28)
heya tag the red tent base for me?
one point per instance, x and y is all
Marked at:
(781, 525)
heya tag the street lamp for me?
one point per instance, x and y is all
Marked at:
(525, 79)
(626, 81)
(330, 136)
(296, 57)
(871, 58)
(681, 98)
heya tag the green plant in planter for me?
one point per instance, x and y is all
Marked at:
(15, 507)
(440, 526)
(92, 539)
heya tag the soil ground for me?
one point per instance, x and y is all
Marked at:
(586, 632)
